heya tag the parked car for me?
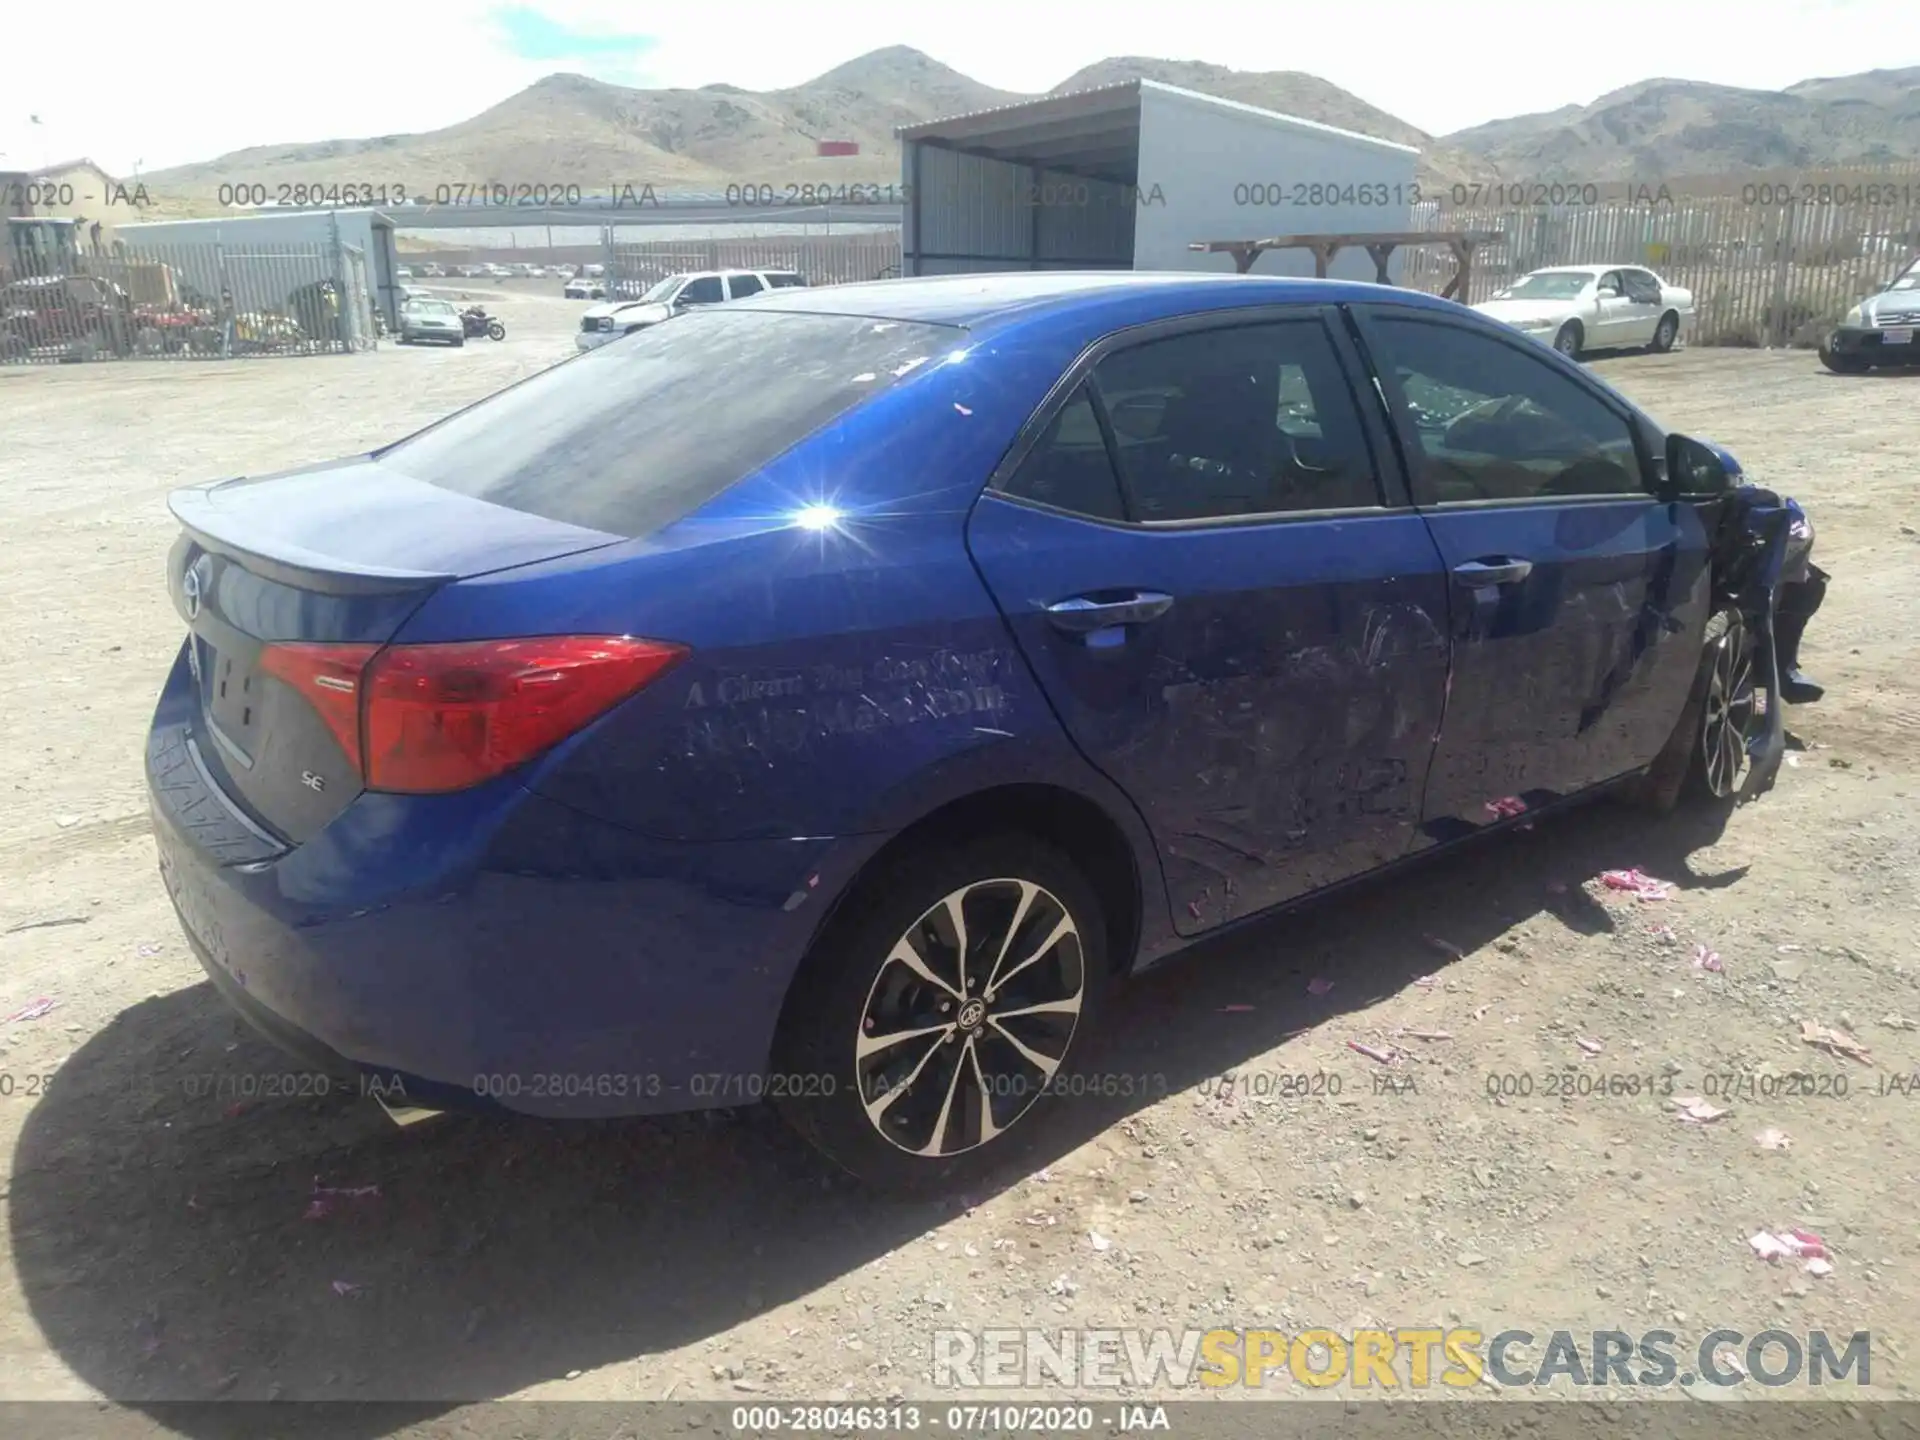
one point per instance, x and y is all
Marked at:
(1881, 330)
(1578, 308)
(435, 320)
(595, 271)
(403, 272)
(674, 296)
(582, 288)
(961, 646)
(432, 272)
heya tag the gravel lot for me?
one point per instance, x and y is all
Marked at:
(158, 1246)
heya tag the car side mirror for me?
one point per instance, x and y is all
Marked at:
(1697, 468)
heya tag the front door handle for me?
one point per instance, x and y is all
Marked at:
(1084, 614)
(1504, 571)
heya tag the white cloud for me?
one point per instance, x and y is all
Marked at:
(173, 84)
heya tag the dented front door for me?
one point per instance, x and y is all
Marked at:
(1263, 675)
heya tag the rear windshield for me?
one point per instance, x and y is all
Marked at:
(634, 435)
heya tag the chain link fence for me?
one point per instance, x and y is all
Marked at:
(184, 302)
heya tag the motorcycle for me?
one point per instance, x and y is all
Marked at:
(475, 322)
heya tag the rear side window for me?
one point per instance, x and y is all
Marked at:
(1070, 468)
(1249, 420)
(741, 286)
(780, 282)
(633, 436)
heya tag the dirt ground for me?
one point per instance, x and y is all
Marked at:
(158, 1249)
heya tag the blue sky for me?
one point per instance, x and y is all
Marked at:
(1438, 64)
(532, 34)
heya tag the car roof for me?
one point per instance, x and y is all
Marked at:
(1111, 296)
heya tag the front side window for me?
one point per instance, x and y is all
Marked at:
(630, 437)
(705, 290)
(1247, 420)
(1496, 423)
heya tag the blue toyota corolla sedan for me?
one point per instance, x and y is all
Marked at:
(826, 697)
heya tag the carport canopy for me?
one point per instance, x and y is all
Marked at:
(1094, 134)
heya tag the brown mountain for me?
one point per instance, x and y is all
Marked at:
(572, 130)
(1291, 92)
(1658, 129)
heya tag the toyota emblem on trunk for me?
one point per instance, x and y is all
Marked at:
(190, 591)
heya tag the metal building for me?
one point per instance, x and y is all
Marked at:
(1128, 176)
(348, 241)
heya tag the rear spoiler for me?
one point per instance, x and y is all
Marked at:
(200, 516)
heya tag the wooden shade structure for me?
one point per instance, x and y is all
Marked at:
(1380, 245)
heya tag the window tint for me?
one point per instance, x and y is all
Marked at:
(1495, 423)
(741, 286)
(780, 281)
(632, 436)
(704, 291)
(1252, 420)
(1071, 468)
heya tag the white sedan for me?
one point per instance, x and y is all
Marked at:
(1577, 308)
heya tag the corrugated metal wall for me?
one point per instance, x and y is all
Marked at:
(970, 213)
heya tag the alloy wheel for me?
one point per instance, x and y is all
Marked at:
(970, 1017)
(1732, 709)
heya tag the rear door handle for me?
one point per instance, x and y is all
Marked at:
(1504, 571)
(1084, 614)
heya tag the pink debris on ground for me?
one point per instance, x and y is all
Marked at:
(34, 1010)
(1788, 1244)
(1384, 1057)
(1706, 959)
(1318, 986)
(1506, 807)
(1772, 1139)
(1635, 882)
(1235, 1009)
(1592, 1047)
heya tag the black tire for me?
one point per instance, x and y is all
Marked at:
(1013, 892)
(406, 339)
(1569, 340)
(460, 342)
(1729, 711)
(496, 331)
(1843, 364)
(1666, 332)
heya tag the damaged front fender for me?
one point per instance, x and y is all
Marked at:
(1749, 560)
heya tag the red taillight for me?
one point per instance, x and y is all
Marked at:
(443, 717)
(424, 719)
(329, 677)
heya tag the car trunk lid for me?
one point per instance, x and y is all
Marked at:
(288, 585)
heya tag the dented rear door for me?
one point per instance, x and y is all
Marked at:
(1204, 554)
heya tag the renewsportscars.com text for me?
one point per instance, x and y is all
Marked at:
(1411, 1357)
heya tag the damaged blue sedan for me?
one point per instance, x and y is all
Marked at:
(827, 698)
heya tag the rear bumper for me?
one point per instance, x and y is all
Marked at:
(499, 950)
(1867, 343)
